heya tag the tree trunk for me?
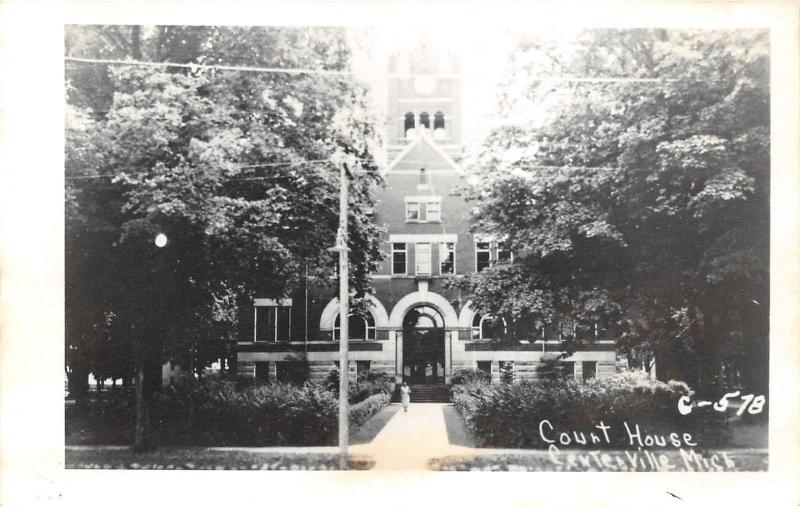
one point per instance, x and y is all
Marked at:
(142, 440)
(78, 383)
(136, 42)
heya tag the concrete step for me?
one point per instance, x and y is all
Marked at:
(430, 393)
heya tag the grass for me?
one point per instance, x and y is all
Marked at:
(209, 459)
(540, 460)
(96, 424)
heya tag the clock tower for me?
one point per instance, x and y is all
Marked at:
(424, 99)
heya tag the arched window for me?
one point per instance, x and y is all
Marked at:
(488, 327)
(438, 120)
(438, 125)
(409, 125)
(423, 177)
(423, 317)
(360, 327)
(425, 120)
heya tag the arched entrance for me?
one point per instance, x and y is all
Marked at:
(423, 345)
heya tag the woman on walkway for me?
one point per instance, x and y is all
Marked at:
(405, 396)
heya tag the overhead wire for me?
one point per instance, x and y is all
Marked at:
(300, 71)
(204, 66)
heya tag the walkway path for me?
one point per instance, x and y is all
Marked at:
(410, 439)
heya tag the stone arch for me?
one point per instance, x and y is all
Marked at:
(467, 315)
(421, 298)
(331, 311)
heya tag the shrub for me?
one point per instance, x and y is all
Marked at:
(463, 376)
(507, 372)
(366, 409)
(213, 412)
(509, 415)
(216, 413)
(364, 385)
(551, 367)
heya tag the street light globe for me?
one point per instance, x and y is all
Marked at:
(161, 240)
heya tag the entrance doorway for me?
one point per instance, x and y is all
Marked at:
(423, 346)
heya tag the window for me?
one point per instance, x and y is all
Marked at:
(359, 328)
(600, 331)
(504, 253)
(550, 332)
(273, 323)
(488, 327)
(398, 258)
(423, 176)
(291, 371)
(362, 366)
(447, 258)
(425, 120)
(438, 121)
(408, 124)
(482, 256)
(485, 366)
(433, 211)
(486, 252)
(262, 372)
(423, 208)
(589, 371)
(423, 258)
(438, 126)
(423, 317)
(569, 369)
(412, 211)
(476, 326)
(566, 330)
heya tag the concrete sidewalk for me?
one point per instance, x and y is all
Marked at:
(409, 440)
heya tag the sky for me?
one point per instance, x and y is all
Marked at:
(482, 53)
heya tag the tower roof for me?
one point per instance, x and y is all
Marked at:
(423, 58)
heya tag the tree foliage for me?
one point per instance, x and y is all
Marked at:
(234, 167)
(637, 195)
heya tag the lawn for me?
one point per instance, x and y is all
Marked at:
(209, 459)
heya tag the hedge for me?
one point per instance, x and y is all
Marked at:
(508, 416)
(366, 409)
(215, 413)
(365, 385)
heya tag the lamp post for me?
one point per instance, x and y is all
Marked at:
(344, 308)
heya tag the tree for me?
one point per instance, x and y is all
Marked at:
(232, 166)
(640, 200)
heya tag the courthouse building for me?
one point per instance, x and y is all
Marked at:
(417, 329)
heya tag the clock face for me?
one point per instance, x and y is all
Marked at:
(424, 85)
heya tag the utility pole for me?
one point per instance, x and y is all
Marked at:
(344, 312)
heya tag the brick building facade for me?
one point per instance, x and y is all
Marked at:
(418, 330)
